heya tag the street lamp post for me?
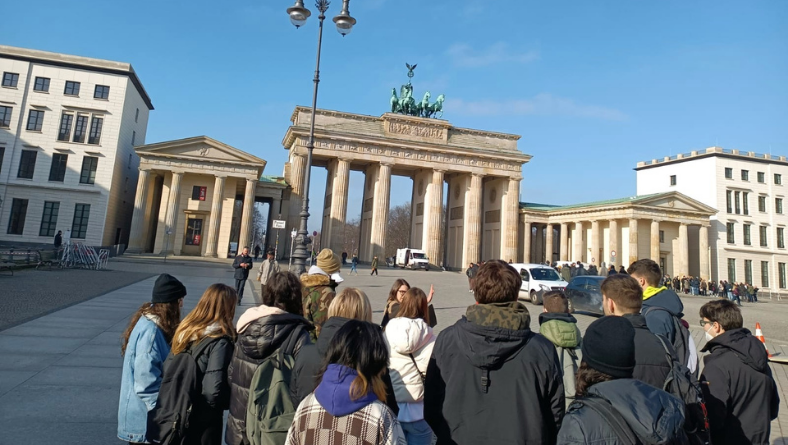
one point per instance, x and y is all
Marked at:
(344, 22)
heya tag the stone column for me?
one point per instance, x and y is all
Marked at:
(633, 241)
(136, 239)
(655, 241)
(248, 214)
(172, 210)
(683, 251)
(527, 242)
(577, 242)
(563, 254)
(216, 217)
(549, 244)
(338, 216)
(509, 225)
(380, 211)
(614, 241)
(473, 222)
(595, 243)
(703, 252)
(297, 167)
(433, 204)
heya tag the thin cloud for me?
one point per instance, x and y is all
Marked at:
(543, 104)
(464, 55)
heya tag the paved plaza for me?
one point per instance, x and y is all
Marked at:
(60, 372)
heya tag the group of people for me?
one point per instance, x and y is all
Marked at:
(690, 285)
(308, 366)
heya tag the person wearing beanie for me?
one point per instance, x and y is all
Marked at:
(144, 346)
(242, 264)
(374, 266)
(320, 284)
(610, 406)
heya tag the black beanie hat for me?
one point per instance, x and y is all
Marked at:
(609, 346)
(167, 289)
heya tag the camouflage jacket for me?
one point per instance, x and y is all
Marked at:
(317, 295)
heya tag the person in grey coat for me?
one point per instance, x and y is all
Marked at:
(268, 267)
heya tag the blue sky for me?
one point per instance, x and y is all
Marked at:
(593, 87)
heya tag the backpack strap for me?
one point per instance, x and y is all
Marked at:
(413, 359)
(288, 346)
(620, 428)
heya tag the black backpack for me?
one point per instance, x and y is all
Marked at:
(682, 341)
(682, 384)
(181, 386)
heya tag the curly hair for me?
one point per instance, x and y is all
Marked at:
(588, 377)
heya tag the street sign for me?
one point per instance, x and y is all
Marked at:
(314, 233)
(613, 253)
(279, 224)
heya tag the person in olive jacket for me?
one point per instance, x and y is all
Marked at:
(491, 379)
(261, 331)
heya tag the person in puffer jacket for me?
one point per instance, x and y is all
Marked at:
(410, 341)
(261, 331)
(604, 383)
(560, 327)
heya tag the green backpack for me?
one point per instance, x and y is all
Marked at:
(270, 410)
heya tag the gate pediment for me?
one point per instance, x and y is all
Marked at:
(200, 148)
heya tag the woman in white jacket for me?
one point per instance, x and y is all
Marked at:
(410, 341)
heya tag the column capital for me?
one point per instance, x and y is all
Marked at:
(386, 163)
(145, 169)
(477, 175)
(516, 178)
(177, 172)
(220, 175)
(439, 170)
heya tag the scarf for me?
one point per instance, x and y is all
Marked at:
(508, 315)
(651, 291)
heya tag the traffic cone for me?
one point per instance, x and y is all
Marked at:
(759, 336)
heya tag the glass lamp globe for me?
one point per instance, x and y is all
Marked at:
(298, 14)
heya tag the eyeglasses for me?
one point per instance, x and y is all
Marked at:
(704, 322)
(401, 291)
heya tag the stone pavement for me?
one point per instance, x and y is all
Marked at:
(60, 373)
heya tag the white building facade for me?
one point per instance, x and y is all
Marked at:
(68, 125)
(747, 236)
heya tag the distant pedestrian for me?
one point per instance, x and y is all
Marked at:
(566, 272)
(58, 239)
(560, 327)
(612, 270)
(242, 264)
(144, 346)
(622, 270)
(257, 251)
(741, 394)
(268, 267)
(470, 272)
(354, 265)
(320, 285)
(374, 266)
(344, 258)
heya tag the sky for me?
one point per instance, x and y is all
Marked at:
(593, 87)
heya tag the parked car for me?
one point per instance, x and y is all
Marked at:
(585, 294)
(538, 279)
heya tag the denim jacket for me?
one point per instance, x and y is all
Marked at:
(139, 386)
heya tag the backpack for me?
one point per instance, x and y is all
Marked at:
(620, 428)
(181, 386)
(682, 341)
(568, 360)
(270, 410)
(682, 384)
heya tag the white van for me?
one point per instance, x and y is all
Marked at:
(412, 258)
(538, 279)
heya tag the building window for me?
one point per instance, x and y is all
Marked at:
(95, 130)
(35, 120)
(731, 270)
(72, 88)
(745, 176)
(80, 128)
(57, 172)
(729, 201)
(79, 228)
(748, 271)
(101, 92)
(745, 198)
(672, 179)
(781, 237)
(761, 203)
(199, 193)
(747, 238)
(764, 274)
(5, 117)
(49, 219)
(41, 84)
(128, 165)
(731, 233)
(781, 272)
(137, 115)
(778, 205)
(737, 202)
(16, 223)
(778, 179)
(728, 173)
(133, 137)
(10, 79)
(2, 155)
(89, 166)
(763, 230)
(27, 164)
(65, 127)
(761, 177)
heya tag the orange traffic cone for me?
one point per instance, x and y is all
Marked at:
(759, 336)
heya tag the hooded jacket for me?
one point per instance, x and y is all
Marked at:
(651, 363)
(261, 331)
(492, 380)
(317, 296)
(654, 416)
(408, 337)
(741, 394)
(561, 329)
(661, 322)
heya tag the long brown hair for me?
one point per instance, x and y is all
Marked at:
(414, 305)
(216, 306)
(588, 377)
(168, 314)
(395, 287)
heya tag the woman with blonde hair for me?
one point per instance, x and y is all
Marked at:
(208, 335)
(410, 341)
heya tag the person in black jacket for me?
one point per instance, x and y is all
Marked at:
(740, 392)
(261, 331)
(242, 264)
(491, 379)
(622, 296)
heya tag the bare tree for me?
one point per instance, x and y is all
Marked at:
(398, 230)
(351, 234)
(259, 223)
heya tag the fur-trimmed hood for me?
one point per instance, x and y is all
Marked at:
(316, 280)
